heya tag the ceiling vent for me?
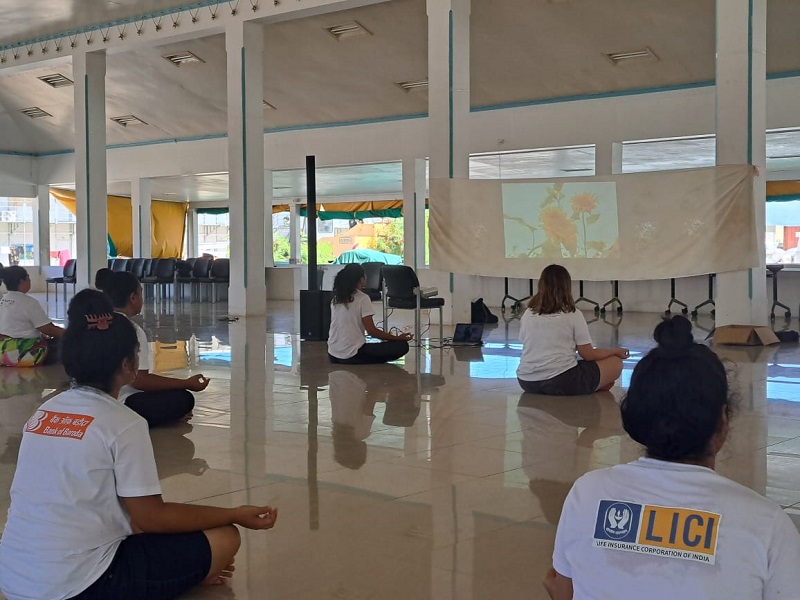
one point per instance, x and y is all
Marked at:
(34, 112)
(270, 106)
(780, 156)
(576, 170)
(126, 120)
(409, 86)
(56, 80)
(183, 58)
(348, 30)
(621, 57)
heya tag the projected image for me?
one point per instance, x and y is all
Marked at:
(561, 220)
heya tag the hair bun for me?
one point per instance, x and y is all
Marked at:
(674, 335)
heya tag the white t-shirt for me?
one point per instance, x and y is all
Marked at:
(80, 452)
(346, 335)
(144, 358)
(20, 315)
(661, 530)
(548, 343)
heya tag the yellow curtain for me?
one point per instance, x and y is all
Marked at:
(783, 188)
(168, 223)
(170, 356)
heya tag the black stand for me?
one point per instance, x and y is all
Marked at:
(517, 301)
(582, 298)
(674, 300)
(774, 270)
(710, 300)
(614, 300)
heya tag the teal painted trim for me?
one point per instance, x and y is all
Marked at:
(750, 283)
(244, 157)
(750, 94)
(452, 285)
(22, 154)
(335, 124)
(783, 75)
(450, 91)
(597, 96)
(784, 198)
(107, 24)
(88, 172)
(416, 247)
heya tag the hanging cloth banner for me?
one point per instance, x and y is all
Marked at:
(624, 227)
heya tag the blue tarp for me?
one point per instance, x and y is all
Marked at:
(366, 255)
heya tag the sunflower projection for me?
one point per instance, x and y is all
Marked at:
(561, 220)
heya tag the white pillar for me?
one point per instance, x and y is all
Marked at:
(41, 229)
(193, 233)
(415, 190)
(269, 257)
(245, 49)
(89, 69)
(141, 203)
(448, 112)
(294, 233)
(741, 139)
(608, 158)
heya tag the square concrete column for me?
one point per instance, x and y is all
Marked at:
(91, 195)
(41, 231)
(294, 233)
(269, 257)
(415, 191)
(741, 139)
(448, 113)
(608, 158)
(141, 206)
(244, 43)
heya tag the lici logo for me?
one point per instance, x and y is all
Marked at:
(617, 520)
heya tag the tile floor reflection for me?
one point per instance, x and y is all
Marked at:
(430, 478)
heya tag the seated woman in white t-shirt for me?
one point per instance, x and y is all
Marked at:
(551, 330)
(87, 520)
(667, 526)
(28, 337)
(351, 314)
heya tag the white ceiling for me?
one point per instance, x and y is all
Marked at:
(521, 50)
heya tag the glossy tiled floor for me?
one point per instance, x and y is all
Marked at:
(430, 478)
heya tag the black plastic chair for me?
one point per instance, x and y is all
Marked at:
(136, 266)
(119, 265)
(402, 291)
(68, 275)
(220, 273)
(374, 280)
(162, 274)
(201, 268)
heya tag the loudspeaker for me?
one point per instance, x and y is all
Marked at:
(315, 314)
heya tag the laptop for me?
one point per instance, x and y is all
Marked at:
(468, 334)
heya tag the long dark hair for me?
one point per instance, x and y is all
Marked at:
(554, 294)
(119, 286)
(92, 349)
(677, 395)
(13, 276)
(346, 283)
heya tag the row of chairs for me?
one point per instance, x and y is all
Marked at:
(157, 272)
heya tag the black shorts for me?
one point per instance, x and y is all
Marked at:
(581, 379)
(155, 566)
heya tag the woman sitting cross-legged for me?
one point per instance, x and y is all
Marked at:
(351, 314)
(160, 400)
(28, 337)
(551, 330)
(87, 521)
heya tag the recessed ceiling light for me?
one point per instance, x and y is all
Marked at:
(126, 120)
(56, 80)
(618, 57)
(34, 112)
(268, 105)
(348, 30)
(408, 86)
(183, 58)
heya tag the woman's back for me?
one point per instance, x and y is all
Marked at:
(549, 342)
(664, 530)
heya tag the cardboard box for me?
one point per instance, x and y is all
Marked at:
(745, 335)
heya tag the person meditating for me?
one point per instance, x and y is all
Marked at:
(667, 526)
(28, 337)
(551, 330)
(351, 314)
(87, 520)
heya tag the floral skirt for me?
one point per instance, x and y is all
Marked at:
(18, 352)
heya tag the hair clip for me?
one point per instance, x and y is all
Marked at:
(99, 322)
